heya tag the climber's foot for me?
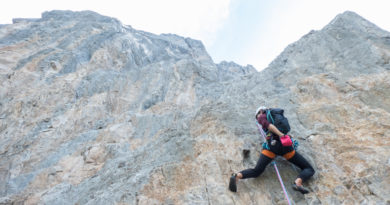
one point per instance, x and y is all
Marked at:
(232, 183)
(301, 189)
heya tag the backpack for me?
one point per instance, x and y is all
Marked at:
(276, 117)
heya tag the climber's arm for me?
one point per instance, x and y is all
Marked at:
(265, 124)
(274, 130)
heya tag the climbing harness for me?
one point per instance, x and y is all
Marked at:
(266, 146)
(274, 163)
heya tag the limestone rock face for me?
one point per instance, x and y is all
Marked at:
(229, 70)
(95, 112)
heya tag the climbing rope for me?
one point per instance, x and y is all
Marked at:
(276, 168)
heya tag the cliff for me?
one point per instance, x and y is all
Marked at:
(95, 112)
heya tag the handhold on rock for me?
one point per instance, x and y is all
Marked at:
(246, 152)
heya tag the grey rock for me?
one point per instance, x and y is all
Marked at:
(229, 70)
(95, 112)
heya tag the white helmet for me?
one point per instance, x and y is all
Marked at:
(260, 108)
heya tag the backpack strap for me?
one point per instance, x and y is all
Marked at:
(269, 117)
(271, 120)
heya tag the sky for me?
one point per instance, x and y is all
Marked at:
(251, 32)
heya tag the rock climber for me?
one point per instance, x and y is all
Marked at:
(269, 152)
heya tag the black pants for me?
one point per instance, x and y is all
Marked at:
(307, 170)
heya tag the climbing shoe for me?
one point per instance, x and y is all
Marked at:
(301, 189)
(232, 183)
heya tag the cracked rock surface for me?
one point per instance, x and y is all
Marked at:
(95, 112)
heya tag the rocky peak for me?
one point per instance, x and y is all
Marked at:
(354, 23)
(82, 16)
(235, 68)
(341, 48)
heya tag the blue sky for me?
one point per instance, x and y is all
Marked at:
(244, 31)
(240, 31)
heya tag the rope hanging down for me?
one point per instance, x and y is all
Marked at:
(276, 168)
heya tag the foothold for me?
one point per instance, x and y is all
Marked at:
(246, 150)
(122, 164)
(246, 153)
(53, 65)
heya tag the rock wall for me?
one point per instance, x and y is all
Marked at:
(96, 112)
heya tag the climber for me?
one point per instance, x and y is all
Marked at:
(274, 147)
